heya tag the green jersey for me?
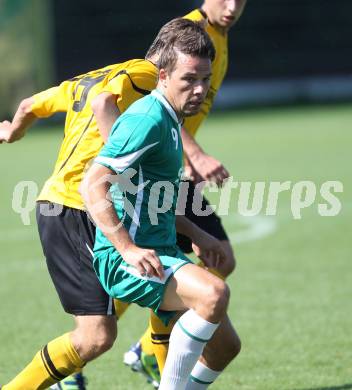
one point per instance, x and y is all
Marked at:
(145, 150)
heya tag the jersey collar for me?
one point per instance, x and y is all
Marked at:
(157, 94)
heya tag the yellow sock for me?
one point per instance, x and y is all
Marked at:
(120, 307)
(51, 364)
(146, 342)
(160, 335)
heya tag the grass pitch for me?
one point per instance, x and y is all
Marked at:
(291, 292)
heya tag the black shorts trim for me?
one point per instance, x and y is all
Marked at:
(67, 240)
(210, 223)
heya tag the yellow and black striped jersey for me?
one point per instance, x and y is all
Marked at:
(219, 68)
(129, 81)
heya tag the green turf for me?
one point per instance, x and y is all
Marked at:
(291, 293)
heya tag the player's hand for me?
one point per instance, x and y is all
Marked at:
(5, 131)
(8, 134)
(209, 168)
(209, 250)
(191, 174)
(146, 261)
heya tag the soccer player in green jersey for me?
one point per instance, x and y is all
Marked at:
(218, 16)
(131, 193)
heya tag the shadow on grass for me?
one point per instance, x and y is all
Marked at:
(346, 386)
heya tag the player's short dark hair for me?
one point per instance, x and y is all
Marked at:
(183, 35)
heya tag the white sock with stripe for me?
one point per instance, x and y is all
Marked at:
(187, 340)
(201, 377)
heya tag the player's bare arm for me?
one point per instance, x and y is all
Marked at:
(95, 190)
(202, 165)
(23, 118)
(205, 246)
(106, 112)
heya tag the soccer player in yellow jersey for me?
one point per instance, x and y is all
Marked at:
(218, 16)
(66, 233)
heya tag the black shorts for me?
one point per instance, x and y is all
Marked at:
(67, 240)
(210, 223)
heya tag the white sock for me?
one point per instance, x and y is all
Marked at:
(187, 340)
(201, 377)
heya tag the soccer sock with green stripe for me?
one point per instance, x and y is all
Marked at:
(57, 360)
(201, 377)
(187, 340)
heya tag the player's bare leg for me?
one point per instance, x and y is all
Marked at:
(206, 298)
(157, 333)
(223, 347)
(67, 354)
(93, 335)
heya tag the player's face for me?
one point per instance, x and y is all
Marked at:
(187, 85)
(224, 13)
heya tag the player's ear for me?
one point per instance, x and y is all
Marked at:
(163, 77)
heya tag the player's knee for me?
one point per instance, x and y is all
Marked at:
(103, 342)
(92, 341)
(215, 299)
(100, 342)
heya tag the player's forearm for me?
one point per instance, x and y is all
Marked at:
(111, 226)
(95, 193)
(190, 146)
(22, 119)
(188, 228)
(106, 112)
